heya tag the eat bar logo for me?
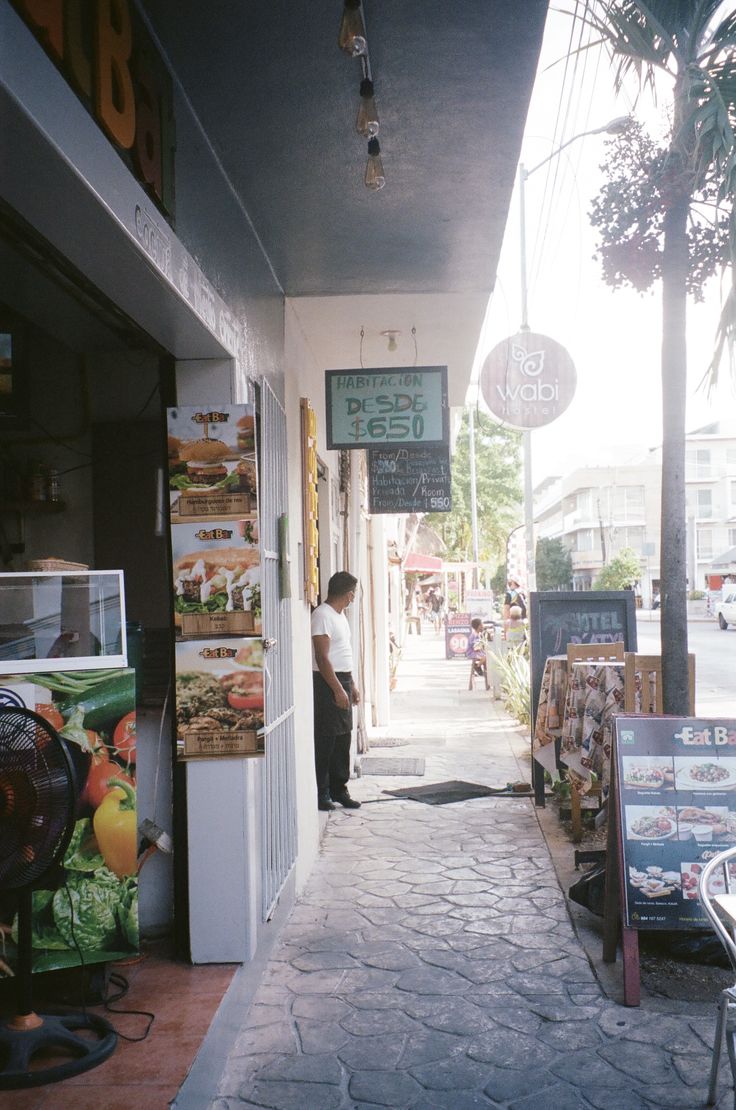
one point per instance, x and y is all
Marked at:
(105, 52)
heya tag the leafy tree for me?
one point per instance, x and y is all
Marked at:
(623, 571)
(498, 581)
(652, 225)
(498, 490)
(554, 565)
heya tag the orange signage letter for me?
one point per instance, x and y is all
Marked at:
(114, 99)
(77, 56)
(48, 16)
(148, 133)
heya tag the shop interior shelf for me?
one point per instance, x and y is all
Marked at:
(28, 508)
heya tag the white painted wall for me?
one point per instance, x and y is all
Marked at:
(303, 377)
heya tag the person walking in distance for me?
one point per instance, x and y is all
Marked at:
(335, 693)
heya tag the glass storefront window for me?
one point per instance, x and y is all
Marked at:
(64, 620)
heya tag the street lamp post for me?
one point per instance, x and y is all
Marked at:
(613, 127)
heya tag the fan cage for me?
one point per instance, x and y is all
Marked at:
(37, 797)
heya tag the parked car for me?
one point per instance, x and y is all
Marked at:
(726, 608)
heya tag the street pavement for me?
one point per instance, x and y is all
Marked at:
(431, 961)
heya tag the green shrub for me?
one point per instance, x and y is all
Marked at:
(696, 595)
(516, 692)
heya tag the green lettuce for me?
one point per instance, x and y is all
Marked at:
(83, 853)
(93, 899)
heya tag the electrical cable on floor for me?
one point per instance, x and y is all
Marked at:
(116, 979)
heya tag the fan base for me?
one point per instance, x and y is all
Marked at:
(56, 1035)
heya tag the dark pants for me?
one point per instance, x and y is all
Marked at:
(332, 729)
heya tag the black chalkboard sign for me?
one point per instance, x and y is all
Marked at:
(409, 480)
(580, 617)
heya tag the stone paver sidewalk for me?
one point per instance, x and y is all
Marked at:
(431, 961)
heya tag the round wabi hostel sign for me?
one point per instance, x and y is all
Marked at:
(528, 380)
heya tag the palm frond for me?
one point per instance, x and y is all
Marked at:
(725, 341)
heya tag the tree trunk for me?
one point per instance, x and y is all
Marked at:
(674, 395)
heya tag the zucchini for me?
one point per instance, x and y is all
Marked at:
(106, 702)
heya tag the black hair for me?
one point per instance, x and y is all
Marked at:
(477, 624)
(341, 583)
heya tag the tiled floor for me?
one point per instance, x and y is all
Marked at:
(146, 1075)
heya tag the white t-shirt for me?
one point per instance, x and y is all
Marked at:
(326, 621)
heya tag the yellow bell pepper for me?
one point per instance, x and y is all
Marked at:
(115, 827)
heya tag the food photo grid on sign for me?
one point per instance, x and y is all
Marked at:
(677, 808)
(90, 913)
(216, 576)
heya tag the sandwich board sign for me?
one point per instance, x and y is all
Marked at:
(574, 617)
(674, 809)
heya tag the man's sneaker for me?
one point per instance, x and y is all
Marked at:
(325, 804)
(346, 801)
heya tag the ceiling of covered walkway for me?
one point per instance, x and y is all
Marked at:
(277, 99)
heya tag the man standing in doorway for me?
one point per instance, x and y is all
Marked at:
(334, 693)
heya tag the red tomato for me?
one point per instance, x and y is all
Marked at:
(124, 737)
(101, 770)
(51, 714)
(245, 701)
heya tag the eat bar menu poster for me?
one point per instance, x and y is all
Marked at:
(676, 810)
(216, 577)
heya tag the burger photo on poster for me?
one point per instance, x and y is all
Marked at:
(246, 431)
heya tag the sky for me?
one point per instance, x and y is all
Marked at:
(614, 336)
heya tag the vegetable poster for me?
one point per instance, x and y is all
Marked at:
(677, 808)
(216, 579)
(95, 907)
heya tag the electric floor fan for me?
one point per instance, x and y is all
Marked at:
(38, 798)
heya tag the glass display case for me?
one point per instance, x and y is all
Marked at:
(64, 621)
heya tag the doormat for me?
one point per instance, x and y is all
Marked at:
(389, 742)
(391, 765)
(441, 793)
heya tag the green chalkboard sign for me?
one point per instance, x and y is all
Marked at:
(387, 406)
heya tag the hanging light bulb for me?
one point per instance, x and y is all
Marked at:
(367, 122)
(374, 176)
(391, 337)
(351, 39)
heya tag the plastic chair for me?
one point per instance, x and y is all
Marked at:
(481, 673)
(724, 924)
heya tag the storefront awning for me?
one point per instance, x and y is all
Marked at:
(422, 564)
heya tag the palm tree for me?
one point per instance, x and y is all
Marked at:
(694, 43)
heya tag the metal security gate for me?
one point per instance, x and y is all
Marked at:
(278, 782)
